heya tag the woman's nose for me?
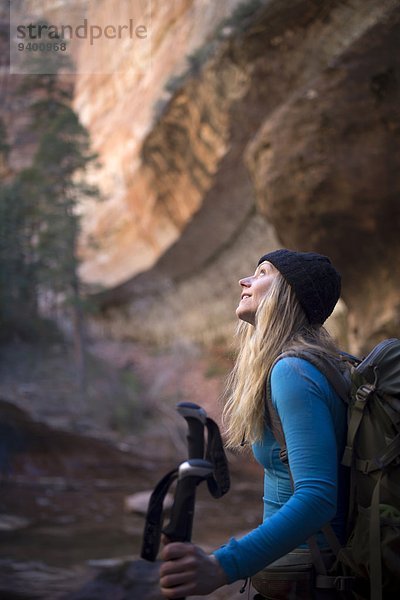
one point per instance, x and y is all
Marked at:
(245, 282)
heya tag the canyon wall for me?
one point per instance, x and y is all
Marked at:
(137, 222)
(259, 124)
(305, 98)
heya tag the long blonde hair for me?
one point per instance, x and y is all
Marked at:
(280, 324)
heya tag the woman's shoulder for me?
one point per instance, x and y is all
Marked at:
(288, 364)
(297, 370)
(295, 380)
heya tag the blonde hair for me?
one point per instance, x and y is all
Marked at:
(280, 324)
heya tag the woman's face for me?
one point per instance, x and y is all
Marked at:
(254, 289)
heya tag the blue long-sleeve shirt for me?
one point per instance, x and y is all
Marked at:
(314, 423)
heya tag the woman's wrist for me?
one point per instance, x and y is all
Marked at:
(220, 575)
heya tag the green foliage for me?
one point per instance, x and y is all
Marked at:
(4, 147)
(237, 21)
(245, 10)
(242, 12)
(174, 83)
(62, 154)
(17, 287)
(49, 62)
(127, 413)
(197, 59)
(39, 224)
(215, 370)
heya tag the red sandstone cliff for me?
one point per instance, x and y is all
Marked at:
(282, 129)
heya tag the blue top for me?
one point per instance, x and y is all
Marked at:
(314, 421)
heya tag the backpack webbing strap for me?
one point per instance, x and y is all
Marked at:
(341, 583)
(332, 539)
(375, 544)
(382, 460)
(357, 413)
(316, 555)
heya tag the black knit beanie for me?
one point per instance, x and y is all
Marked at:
(313, 278)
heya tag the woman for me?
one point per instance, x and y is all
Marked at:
(282, 306)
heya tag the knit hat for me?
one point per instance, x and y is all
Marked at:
(313, 278)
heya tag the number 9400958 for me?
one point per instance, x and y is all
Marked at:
(42, 47)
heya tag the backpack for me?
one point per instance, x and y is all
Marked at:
(368, 565)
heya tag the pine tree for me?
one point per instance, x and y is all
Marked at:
(4, 148)
(18, 291)
(62, 157)
(39, 224)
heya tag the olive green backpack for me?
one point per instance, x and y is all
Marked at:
(368, 566)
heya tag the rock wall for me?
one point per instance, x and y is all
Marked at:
(281, 128)
(137, 221)
(325, 166)
(305, 98)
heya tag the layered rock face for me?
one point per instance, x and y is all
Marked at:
(284, 130)
(325, 166)
(139, 220)
(299, 109)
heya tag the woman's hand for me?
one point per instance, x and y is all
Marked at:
(187, 571)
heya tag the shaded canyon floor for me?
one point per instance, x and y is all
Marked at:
(64, 531)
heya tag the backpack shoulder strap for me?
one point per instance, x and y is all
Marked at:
(328, 367)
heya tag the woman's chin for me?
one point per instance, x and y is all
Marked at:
(245, 315)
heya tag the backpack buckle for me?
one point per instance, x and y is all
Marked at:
(364, 392)
(344, 584)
